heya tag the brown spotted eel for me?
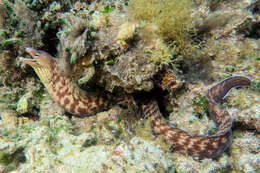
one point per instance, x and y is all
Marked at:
(62, 89)
(64, 92)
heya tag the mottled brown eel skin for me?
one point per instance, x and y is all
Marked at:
(64, 92)
(62, 89)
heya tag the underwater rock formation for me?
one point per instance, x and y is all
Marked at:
(131, 71)
(169, 50)
(63, 91)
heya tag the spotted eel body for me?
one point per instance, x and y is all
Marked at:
(65, 93)
(199, 146)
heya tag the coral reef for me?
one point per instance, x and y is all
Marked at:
(246, 158)
(137, 73)
(168, 50)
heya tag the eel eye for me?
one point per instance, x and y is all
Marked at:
(36, 55)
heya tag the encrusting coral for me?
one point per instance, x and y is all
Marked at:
(129, 52)
(137, 73)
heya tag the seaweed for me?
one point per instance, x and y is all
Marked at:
(89, 142)
(201, 106)
(107, 9)
(162, 55)
(173, 17)
(12, 160)
(174, 25)
(9, 43)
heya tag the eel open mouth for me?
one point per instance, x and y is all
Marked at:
(31, 62)
(27, 60)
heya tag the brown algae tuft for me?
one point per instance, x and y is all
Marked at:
(173, 19)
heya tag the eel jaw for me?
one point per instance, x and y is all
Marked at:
(39, 63)
(31, 62)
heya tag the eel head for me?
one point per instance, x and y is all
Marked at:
(42, 63)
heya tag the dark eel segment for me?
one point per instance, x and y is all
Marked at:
(199, 146)
(65, 93)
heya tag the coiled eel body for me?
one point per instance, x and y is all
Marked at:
(200, 146)
(64, 92)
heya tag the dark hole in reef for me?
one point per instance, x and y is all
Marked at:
(81, 31)
(91, 86)
(182, 66)
(254, 31)
(155, 94)
(242, 126)
(34, 117)
(139, 96)
(254, 7)
(50, 41)
(249, 28)
(199, 115)
(89, 142)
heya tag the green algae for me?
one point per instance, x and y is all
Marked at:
(107, 9)
(35, 4)
(162, 56)
(89, 73)
(255, 85)
(11, 160)
(230, 68)
(56, 23)
(202, 105)
(109, 62)
(73, 57)
(7, 44)
(90, 142)
(3, 34)
(23, 103)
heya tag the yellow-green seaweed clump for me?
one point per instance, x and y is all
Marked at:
(162, 53)
(172, 17)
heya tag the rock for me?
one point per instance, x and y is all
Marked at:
(9, 119)
(133, 72)
(24, 103)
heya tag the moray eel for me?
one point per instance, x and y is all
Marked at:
(199, 146)
(62, 89)
(64, 92)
